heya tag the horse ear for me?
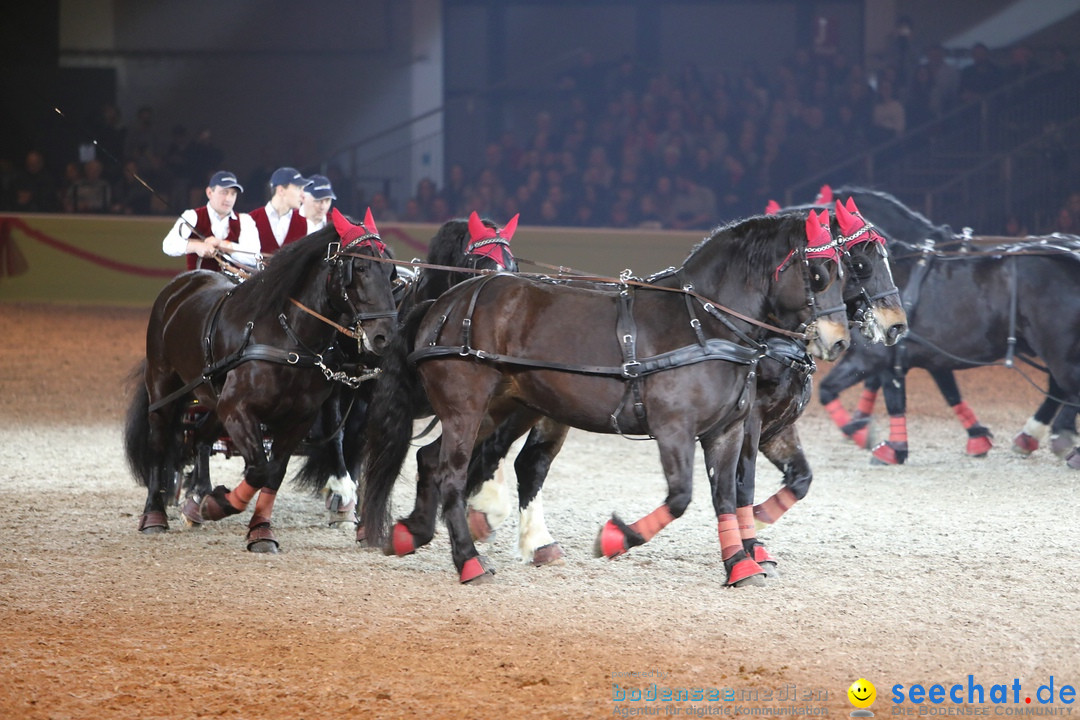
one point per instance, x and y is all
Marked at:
(341, 223)
(824, 196)
(772, 208)
(851, 205)
(843, 217)
(477, 229)
(369, 223)
(510, 227)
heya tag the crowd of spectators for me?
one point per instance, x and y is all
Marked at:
(619, 146)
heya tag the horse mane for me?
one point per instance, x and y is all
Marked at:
(287, 268)
(448, 245)
(898, 222)
(755, 243)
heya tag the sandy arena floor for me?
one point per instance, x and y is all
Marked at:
(946, 567)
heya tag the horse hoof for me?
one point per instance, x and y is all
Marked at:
(1073, 459)
(745, 573)
(770, 569)
(216, 506)
(402, 541)
(153, 523)
(610, 542)
(479, 527)
(550, 554)
(261, 538)
(476, 571)
(1024, 444)
(340, 514)
(361, 534)
(1062, 444)
(888, 454)
(979, 446)
(190, 513)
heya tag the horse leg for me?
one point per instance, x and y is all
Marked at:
(341, 496)
(894, 451)
(418, 528)
(724, 454)
(785, 452)
(979, 437)
(854, 427)
(677, 457)
(745, 483)
(246, 434)
(1063, 436)
(535, 543)
(162, 438)
(198, 486)
(490, 505)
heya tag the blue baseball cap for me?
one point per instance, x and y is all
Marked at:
(287, 176)
(319, 188)
(226, 180)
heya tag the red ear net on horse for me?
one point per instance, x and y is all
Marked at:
(772, 208)
(824, 196)
(819, 242)
(491, 242)
(364, 233)
(853, 227)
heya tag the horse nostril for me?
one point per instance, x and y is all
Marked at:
(896, 332)
(839, 347)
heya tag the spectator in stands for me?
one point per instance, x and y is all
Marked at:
(199, 232)
(129, 195)
(92, 192)
(203, 155)
(381, 209)
(944, 81)
(318, 196)
(144, 144)
(982, 77)
(888, 119)
(36, 178)
(693, 206)
(279, 221)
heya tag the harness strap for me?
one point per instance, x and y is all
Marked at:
(1013, 292)
(626, 330)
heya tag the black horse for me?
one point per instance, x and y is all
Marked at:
(256, 356)
(460, 249)
(610, 359)
(967, 307)
(783, 390)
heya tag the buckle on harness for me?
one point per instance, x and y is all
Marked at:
(292, 358)
(631, 369)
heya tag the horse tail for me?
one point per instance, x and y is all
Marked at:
(137, 428)
(321, 458)
(397, 399)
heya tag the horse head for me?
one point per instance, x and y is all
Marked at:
(870, 292)
(824, 284)
(360, 284)
(488, 246)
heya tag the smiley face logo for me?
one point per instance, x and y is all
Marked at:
(862, 693)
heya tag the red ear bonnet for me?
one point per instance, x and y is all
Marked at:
(363, 234)
(853, 228)
(819, 241)
(772, 208)
(491, 242)
(824, 196)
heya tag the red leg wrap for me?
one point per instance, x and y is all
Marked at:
(612, 540)
(730, 541)
(964, 414)
(770, 511)
(653, 523)
(745, 518)
(898, 429)
(837, 412)
(866, 402)
(403, 541)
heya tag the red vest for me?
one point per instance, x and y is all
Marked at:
(267, 241)
(202, 227)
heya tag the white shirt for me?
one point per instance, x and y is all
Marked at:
(175, 243)
(278, 223)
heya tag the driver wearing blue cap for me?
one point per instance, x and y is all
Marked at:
(201, 232)
(279, 221)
